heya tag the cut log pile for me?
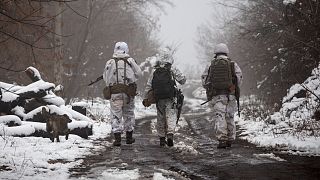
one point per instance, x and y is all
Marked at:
(21, 109)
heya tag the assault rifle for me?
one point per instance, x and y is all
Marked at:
(98, 79)
(237, 94)
(180, 99)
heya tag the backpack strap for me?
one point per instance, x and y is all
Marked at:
(125, 60)
(117, 73)
(125, 71)
(233, 72)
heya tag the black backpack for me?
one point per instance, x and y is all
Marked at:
(163, 84)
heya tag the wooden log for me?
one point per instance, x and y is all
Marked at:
(6, 107)
(28, 129)
(31, 94)
(10, 120)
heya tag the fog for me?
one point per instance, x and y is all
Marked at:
(179, 28)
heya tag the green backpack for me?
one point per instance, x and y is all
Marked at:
(220, 77)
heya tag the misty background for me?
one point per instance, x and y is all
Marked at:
(275, 42)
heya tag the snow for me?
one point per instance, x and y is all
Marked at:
(270, 156)
(53, 99)
(142, 111)
(9, 87)
(41, 159)
(23, 130)
(282, 133)
(35, 71)
(81, 104)
(159, 176)
(257, 132)
(58, 88)
(117, 174)
(75, 114)
(200, 93)
(31, 114)
(10, 118)
(19, 111)
(36, 87)
(8, 96)
(287, 2)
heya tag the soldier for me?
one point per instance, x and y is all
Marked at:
(162, 82)
(222, 79)
(120, 74)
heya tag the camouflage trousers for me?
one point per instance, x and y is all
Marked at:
(166, 116)
(223, 115)
(122, 113)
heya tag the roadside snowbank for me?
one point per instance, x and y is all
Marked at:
(293, 128)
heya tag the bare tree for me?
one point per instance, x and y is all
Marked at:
(275, 43)
(70, 41)
(106, 22)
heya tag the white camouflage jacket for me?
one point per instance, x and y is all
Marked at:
(236, 69)
(133, 71)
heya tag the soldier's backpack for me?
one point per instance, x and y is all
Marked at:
(220, 77)
(163, 84)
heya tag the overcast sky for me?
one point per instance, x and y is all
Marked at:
(179, 27)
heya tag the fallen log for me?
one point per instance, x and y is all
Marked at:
(10, 120)
(36, 129)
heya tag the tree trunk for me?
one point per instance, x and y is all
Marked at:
(58, 68)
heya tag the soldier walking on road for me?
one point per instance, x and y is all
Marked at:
(162, 84)
(120, 74)
(222, 79)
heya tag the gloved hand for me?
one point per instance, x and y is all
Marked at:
(232, 88)
(146, 103)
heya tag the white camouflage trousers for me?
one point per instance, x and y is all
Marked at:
(166, 116)
(223, 115)
(122, 113)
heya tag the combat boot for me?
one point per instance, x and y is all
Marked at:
(117, 139)
(222, 144)
(129, 138)
(162, 141)
(170, 139)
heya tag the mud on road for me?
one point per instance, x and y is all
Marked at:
(194, 156)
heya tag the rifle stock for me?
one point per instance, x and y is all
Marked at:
(180, 99)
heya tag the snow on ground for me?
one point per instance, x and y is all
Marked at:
(261, 134)
(117, 174)
(293, 128)
(281, 129)
(38, 158)
(270, 156)
(287, 2)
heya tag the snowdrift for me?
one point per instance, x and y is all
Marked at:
(295, 128)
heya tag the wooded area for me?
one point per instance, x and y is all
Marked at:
(70, 41)
(276, 43)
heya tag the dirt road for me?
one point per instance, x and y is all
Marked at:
(194, 156)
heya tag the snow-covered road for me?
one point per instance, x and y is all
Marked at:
(194, 155)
